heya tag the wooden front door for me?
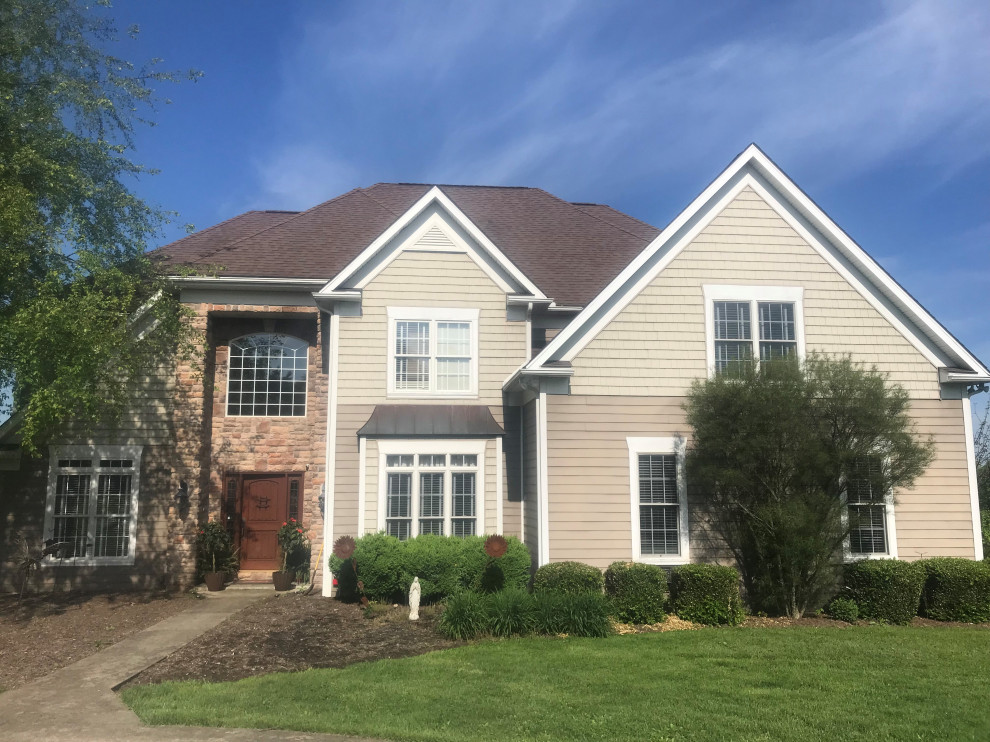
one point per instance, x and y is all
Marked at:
(264, 508)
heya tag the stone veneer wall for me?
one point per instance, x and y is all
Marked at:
(210, 445)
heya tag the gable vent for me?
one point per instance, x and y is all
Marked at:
(434, 238)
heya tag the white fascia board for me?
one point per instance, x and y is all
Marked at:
(248, 282)
(674, 238)
(438, 196)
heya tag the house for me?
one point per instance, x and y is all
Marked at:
(443, 359)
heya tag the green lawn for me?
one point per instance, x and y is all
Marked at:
(866, 683)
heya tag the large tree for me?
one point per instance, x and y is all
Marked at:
(82, 310)
(775, 448)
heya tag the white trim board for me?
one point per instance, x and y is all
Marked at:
(434, 210)
(974, 494)
(753, 169)
(331, 455)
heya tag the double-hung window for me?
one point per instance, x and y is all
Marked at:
(747, 322)
(868, 507)
(658, 498)
(433, 352)
(92, 503)
(435, 493)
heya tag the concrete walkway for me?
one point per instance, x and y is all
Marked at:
(78, 702)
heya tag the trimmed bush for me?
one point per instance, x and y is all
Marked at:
(638, 592)
(483, 574)
(570, 578)
(843, 609)
(464, 616)
(955, 590)
(885, 589)
(445, 566)
(707, 594)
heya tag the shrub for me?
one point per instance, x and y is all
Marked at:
(570, 578)
(707, 594)
(843, 609)
(215, 550)
(885, 589)
(638, 591)
(464, 616)
(445, 566)
(550, 615)
(586, 614)
(481, 573)
(509, 612)
(956, 590)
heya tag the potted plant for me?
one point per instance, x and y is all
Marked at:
(215, 555)
(295, 549)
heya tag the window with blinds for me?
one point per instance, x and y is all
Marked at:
(866, 503)
(431, 494)
(736, 341)
(92, 505)
(659, 504)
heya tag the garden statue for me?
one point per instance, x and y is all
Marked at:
(414, 591)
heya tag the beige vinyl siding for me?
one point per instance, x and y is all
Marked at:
(350, 418)
(590, 504)
(935, 517)
(656, 345)
(428, 279)
(531, 503)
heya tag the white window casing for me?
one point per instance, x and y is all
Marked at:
(658, 447)
(427, 484)
(753, 296)
(92, 503)
(432, 352)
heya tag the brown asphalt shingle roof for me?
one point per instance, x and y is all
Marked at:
(570, 251)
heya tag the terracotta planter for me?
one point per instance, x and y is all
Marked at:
(282, 580)
(215, 581)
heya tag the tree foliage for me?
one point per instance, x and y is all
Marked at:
(982, 449)
(73, 271)
(773, 447)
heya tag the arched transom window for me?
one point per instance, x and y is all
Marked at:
(267, 376)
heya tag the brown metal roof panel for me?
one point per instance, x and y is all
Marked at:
(430, 421)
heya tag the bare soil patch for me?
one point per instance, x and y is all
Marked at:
(292, 632)
(43, 633)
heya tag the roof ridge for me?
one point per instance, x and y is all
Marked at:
(458, 185)
(295, 215)
(596, 218)
(209, 229)
(365, 192)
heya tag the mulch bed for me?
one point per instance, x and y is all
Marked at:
(43, 633)
(295, 632)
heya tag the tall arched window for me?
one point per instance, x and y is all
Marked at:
(267, 376)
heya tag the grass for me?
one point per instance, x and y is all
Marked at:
(871, 683)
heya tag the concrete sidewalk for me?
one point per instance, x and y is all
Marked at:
(78, 702)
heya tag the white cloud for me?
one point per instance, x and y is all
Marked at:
(299, 176)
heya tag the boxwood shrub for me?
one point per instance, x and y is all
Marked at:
(843, 609)
(570, 578)
(638, 592)
(885, 589)
(955, 590)
(444, 566)
(707, 594)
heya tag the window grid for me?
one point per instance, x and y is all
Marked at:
(267, 376)
(444, 498)
(734, 339)
(92, 510)
(433, 355)
(866, 501)
(659, 506)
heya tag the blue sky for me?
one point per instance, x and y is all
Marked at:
(879, 110)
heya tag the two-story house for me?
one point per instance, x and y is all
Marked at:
(461, 360)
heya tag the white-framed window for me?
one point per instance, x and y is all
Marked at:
(433, 352)
(658, 499)
(869, 512)
(266, 376)
(747, 322)
(92, 504)
(431, 486)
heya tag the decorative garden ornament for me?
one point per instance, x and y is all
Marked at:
(414, 591)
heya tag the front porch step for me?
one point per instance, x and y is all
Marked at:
(254, 576)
